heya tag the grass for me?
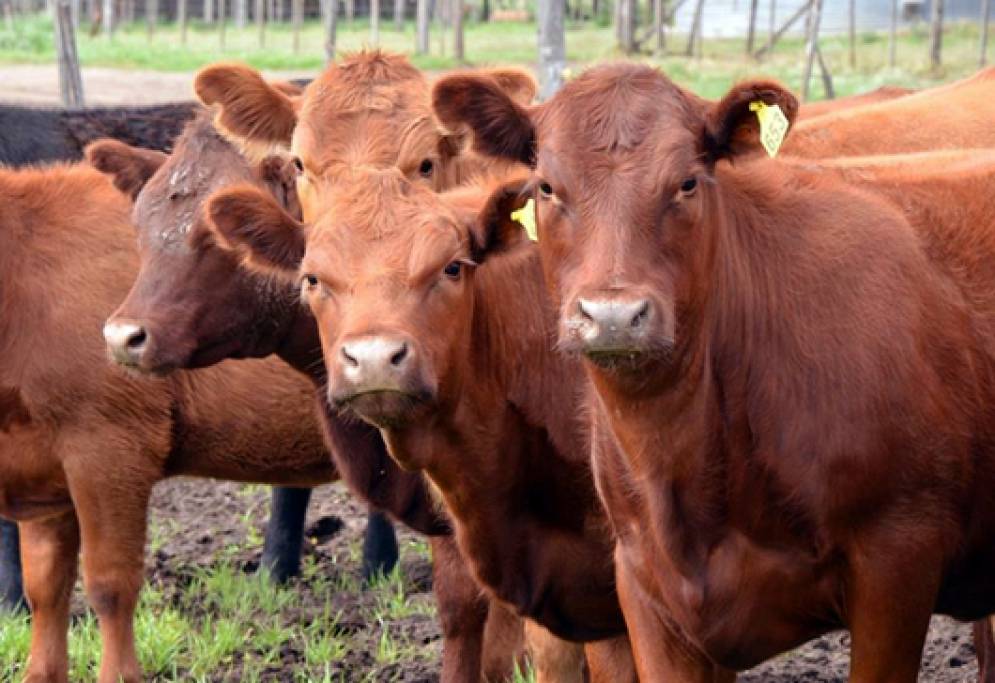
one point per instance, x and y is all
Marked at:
(502, 43)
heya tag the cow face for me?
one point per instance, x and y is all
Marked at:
(626, 195)
(193, 304)
(388, 274)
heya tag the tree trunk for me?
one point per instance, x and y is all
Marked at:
(181, 19)
(108, 18)
(260, 10)
(893, 34)
(751, 30)
(350, 10)
(853, 34)
(222, 22)
(986, 8)
(458, 49)
(695, 27)
(659, 10)
(936, 34)
(375, 22)
(398, 15)
(627, 26)
(421, 19)
(208, 11)
(297, 18)
(241, 10)
(552, 46)
(812, 45)
(331, 27)
(151, 16)
(70, 80)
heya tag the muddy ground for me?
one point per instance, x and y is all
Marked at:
(196, 522)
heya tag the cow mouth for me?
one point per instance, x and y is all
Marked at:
(384, 408)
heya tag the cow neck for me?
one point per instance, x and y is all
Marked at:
(507, 458)
(300, 347)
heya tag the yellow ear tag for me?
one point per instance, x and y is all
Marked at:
(773, 125)
(526, 217)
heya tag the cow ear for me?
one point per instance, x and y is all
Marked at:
(246, 219)
(731, 128)
(501, 127)
(279, 174)
(250, 108)
(493, 229)
(129, 167)
(517, 84)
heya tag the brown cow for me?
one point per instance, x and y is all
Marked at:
(794, 388)
(81, 443)
(951, 116)
(810, 110)
(435, 327)
(196, 306)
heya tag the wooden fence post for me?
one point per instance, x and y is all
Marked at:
(70, 80)
(893, 34)
(375, 22)
(552, 46)
(853, 33)
(458, 38)
(751, 30)
(151, 16)
(260, 11)
(331, 28)
(771, 20)
(398, 15)
(799, 13)
(297, 19)
(108, 18)
(627, 25)
(811, 45)
(8, 15)
(241, 12)
(695, 27)
(181, 18)
(208, 11)
(986, 8)
(936, 33)
(350, 11)
(421, 29)
(222, 13)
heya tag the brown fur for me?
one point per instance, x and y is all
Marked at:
(198, 306)
(87, 442)
(810, 110)
(812, 402)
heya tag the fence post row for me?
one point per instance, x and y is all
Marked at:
(70, 80)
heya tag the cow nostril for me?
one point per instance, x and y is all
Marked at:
(400, 355)
(137, 339)
(641, 315)
(349, 360)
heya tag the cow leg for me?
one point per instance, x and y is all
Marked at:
(379, 546)
(660, 653)
(462, 610)
(11, 589)
(554, 660)
(285, 533)
(984, 645)
(889, 604)
(50, 549)
(611, 660)
(504, 642)
(112, 525)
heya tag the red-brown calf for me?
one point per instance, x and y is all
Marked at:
(793, 386)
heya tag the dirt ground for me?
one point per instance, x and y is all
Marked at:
(198, 521)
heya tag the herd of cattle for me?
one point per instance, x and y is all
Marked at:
(720, 405)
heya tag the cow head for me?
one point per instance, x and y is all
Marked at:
(371, 109)
(192, 304)
(388, 273)
(627, 197)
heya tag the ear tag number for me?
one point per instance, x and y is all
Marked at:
(773, 125)
(526, 217)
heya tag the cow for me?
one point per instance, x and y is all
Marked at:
(30, 135)
(435, 328)
(950, 116)
(885, 93)
(792, 386)
(196, 306)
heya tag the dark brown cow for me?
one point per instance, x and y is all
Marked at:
(436, 328)
(194, 305)
(794, 387)
(81, 443)
(886, 92)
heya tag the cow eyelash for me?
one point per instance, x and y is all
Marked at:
(310, 281)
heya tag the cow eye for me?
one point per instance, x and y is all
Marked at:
(298, 164)
(426, 168)
(453, 270)
(310, 281)
(546, 190)
(689, 185)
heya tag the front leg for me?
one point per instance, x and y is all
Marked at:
(11, 588)
(112, 522)
(610, 661)
(555, 660)
(890, 599)
(462, 612)
(660, 652)
(50, 550)
(285, 533)
(984, 645)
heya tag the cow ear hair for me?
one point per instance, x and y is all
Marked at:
(493, 229)
(732, 128)
(129, 167)
(249, 108)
